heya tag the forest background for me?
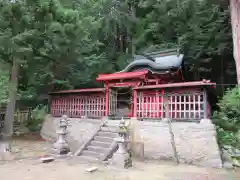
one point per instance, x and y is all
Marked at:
(48, 45)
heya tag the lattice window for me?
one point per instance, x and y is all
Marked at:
(180, 105)
(186, 106)
(79, 105)
(150, 105)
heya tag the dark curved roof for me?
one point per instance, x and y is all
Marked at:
(156, 62)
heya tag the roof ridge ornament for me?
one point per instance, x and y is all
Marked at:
(165, 52)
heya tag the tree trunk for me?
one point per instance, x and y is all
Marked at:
(235, 21)
(172, 139)
(132, 33)
(9, 116)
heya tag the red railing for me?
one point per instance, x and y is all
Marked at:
(187, 104)
(79, 105)
(180, 105)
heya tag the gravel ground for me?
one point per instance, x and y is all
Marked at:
(74, 170)
(26, 166)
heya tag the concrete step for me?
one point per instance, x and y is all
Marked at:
(100, 143)
(92, 154)
(97, 149)
(103, 139)
(109, 129)
(85, 158)
(108, 134)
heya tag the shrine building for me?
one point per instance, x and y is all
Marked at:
(154, 86)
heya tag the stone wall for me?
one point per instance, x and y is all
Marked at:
(79, 130)
(195, 142)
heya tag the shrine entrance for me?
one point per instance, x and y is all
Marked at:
(120, 94)
(122, 101)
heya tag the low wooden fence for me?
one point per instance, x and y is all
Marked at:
(21, 117)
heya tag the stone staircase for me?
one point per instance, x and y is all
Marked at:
(101, 146)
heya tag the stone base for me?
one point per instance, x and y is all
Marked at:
(61, 151)
(138, 150)
(121, 160)
(196, 143)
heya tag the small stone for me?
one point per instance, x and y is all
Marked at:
(17, 150)
(205, 121)
(70, 154)
(17, 133)
(47, 159)
(92, 169)
(165, 120)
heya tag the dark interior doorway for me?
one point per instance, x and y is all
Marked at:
(124, 102)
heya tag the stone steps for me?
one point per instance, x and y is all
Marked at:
(107, 134)
(92, 153)
(97, 148)
(112, 129)
(103, 139)
(100, 146)
(84, 158)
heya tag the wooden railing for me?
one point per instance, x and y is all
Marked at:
(21, 118)
(185, 106)
(79, 105)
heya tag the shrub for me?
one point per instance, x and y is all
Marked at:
(227, 119)
(38, 115)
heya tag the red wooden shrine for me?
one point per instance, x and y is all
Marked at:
(158, 91)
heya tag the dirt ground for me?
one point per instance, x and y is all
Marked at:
(27, 166)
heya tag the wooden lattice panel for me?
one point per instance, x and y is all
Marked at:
(181, 105)
(186, 106)
(150, 105)
(91, 105)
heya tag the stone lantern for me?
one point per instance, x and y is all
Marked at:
(61, 146)
(122, 157)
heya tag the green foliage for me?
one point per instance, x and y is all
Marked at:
(4, 85)
(38, 115)
(63, 44)
(227, 118)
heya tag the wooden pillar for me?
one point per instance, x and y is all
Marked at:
(235, 21)
(49, 108)
(135, 103)
(205, 104)
(107, 100)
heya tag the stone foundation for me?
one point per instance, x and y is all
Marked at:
(79, 130)
(195, 142)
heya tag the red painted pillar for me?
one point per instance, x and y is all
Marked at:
(135, 103)
(107, 100)
(163, 99)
